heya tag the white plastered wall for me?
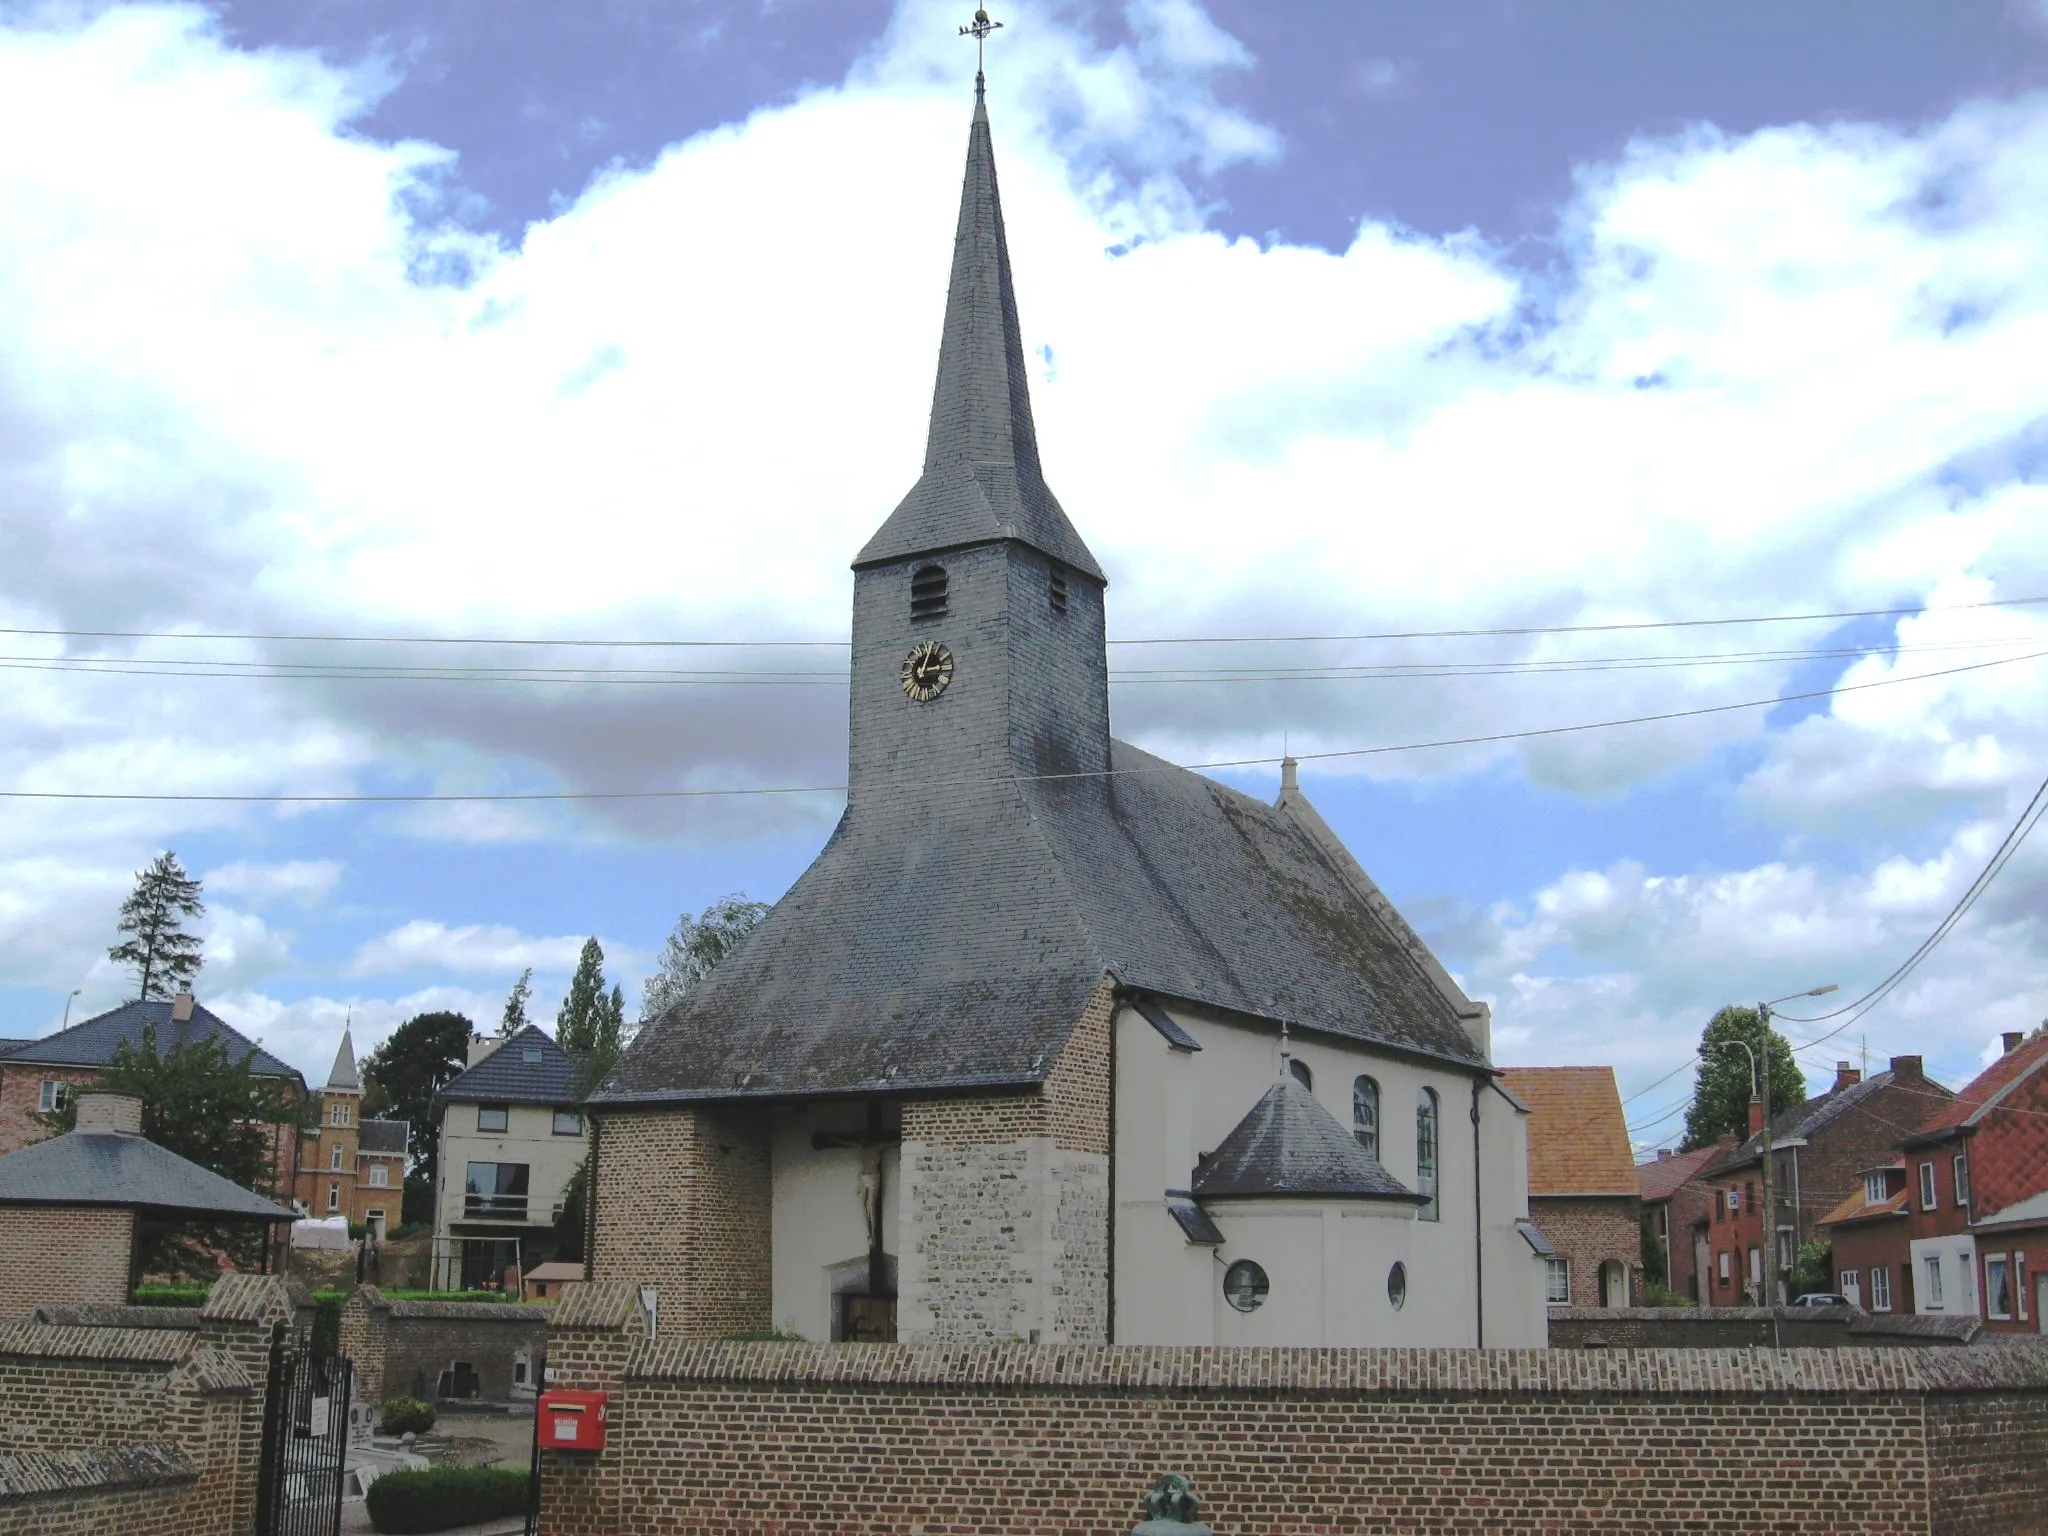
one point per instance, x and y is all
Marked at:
(817, 1220)
(1173, 1104)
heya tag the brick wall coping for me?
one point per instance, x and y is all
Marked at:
(39, 1474)
(600, 1305)
(1919, 1326)
(1517, 1372)
(237, 1298)
(126, 1346)
(465, 1311)
(120, 1317)
(1705, 1314)
(215, 1371)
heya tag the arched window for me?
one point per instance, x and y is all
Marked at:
(1302, 1075)
(928, 592)
(1365, 1114)
(1425, 1153)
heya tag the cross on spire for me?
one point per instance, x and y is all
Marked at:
(979, 29)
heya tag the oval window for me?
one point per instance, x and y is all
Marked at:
(1245, 1286)
(1397, 1285)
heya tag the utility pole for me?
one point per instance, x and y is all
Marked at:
(1772, 1281)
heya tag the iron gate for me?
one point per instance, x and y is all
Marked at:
(305, 1441)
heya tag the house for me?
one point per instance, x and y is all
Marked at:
(1821, 1150)
(349, 1166)
(1955, 1223)
(36, 1077)
(1583, 1194)
(1054, 1040)
(1676, 1204)
(70, 1204)
(544, 1282)
(511, 1139)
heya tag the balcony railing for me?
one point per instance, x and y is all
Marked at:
(494, 1207)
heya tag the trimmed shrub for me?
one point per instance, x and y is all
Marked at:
(405, 1416)
(406, 1503)
(171, 1295)
(497, 1296)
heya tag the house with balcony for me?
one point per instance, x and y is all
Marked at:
(512, 1138)
(1955, 1221)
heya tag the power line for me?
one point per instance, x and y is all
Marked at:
(1410, 634)
(926, 784)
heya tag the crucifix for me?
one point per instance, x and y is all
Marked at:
(979, 29)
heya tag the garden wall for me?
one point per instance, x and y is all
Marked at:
(1746, 1327)
(402, 1348)
(1007, 1439)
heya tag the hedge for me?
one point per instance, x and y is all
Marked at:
(405, 1416)
(405, 1503)
(171, 1295)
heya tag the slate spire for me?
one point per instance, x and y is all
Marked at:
(343, 1074)
(981, 477)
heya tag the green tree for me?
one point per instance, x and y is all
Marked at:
(569, 1224)
(212, 1109)
(591, 1023)
(164, 955)
(695, 948)
(1655, 1268)
(419, 1058)
(515, 1018)
(1721, 1080)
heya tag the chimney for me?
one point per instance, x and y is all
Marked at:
(2013, 1039)
(1290, 781)
(1663, 1153)
(482, 1047)
(181, 1008)
(1725, 1142)
(1756, 1116)
(1906, 1066)
(1846, 1076)
(110, 1112)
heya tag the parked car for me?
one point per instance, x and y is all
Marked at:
(1823, 1299)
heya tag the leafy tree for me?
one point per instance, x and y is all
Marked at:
(569, 1225)
(515, 1005)
(164, 955)
(1655, 1268)
(695, 948)
(421, 1057)
(1721, 1081)
(591, 1024)
(214, 1110)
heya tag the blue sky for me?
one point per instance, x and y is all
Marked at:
(562, 325)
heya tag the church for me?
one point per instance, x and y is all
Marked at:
(1054, 1041)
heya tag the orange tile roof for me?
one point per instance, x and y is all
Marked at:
(1987, 1087)
(1578, 1138)
(1660, 1178)
(1856, 1208)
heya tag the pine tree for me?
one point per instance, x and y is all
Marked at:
(697, 945)
(1721, 1082)
(164, 955)
(515, 1005)
(576, 1023)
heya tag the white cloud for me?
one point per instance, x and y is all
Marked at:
(305, 881)
(425, 945)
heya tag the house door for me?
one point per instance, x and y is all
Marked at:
(2041, 1302)
(1613, 1284)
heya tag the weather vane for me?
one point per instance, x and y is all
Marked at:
(979, 29)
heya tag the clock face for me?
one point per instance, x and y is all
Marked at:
(927, 670)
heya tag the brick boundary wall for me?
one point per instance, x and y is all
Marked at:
(398, 1345)
(1002, 1439)
(78, 1252)
(1744, 1327)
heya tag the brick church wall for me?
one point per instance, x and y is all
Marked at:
(797, 1438)
(1006, 1205)
(71, 1254)
(682, 1201)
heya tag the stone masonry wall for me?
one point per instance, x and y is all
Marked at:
(724, 1439)
(1590, 1232)
(73, 1254)
(400, 1348)
(682, 1200)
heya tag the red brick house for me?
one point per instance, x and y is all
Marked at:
(1820, 1151)
(1583, 1193)
(1678, 1203)
(1957, 1223)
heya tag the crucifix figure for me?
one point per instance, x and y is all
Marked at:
(979, 29)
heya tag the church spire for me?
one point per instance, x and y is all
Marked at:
(981, 477)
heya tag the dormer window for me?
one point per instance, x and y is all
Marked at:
(928, 593)
(1873, 1189)
(1056, 592)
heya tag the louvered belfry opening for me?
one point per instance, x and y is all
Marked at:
(928, 592)
(1056, 591)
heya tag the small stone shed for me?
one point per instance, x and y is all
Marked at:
(443, 1350)
(69, 1207)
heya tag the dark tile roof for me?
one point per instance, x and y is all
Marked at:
(1662, 1177)
(382, 1135)
(113, 1168)
(953, 941)
(91, 1043)
(1804, 1120)
(1162, 1021)
(1195, 1223)
(1289, 1145)
(9, 1045)
(982, 479)
(507, 1077)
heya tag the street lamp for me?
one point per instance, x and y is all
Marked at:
(1771, 1267)
(67, 1009)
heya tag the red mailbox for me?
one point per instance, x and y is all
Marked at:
(573, 1421)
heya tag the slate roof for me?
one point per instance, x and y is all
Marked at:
(1661, 1178)
(389, 1136)
(92, 1043)
(1806, 1119)
(1578, 1137)
(343, 1073)
(114, 1168)
(1985, 1092)
(9, 1045)
(507, 1077)
(981, 478)
(1289, 1146)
